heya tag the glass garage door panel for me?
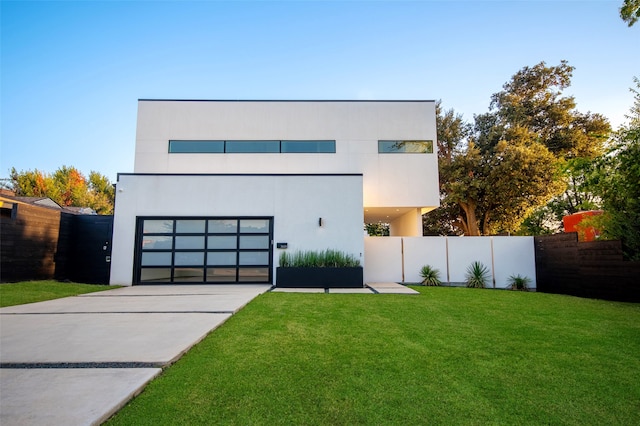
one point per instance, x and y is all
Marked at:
(254, 275)
(188, 275)
(223, 226)
(155, 275)
(254, 226)
(158, 226)
(204, 250)
(156, 259)
(221, 258)
(254, 241)
(221, 275)
(254, 258)
(159, 242)
(222, 242)
(190, 226)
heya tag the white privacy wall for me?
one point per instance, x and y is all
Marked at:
(399, 259)
(295, 202)
(516, 255)
(465, 250)
(382, 259)
(422, 251)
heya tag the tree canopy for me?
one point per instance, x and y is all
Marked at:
(495, 173)
(617, 182)
(630, 11)
(66, 186)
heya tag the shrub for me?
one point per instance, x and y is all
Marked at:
(431, 276)
(518, 282)
(477, 275)
(318, 259)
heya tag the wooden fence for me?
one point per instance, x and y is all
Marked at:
(587, 269)
(43, 243)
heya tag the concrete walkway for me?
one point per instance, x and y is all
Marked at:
(77, 360)
(370, 288)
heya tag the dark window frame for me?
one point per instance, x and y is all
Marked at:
(323, 146)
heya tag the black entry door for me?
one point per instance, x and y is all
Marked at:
(91, 260)
(204, 250)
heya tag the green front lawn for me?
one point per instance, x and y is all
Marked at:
(447, 356)
(37, 291)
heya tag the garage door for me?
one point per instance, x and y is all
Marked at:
(204, 250)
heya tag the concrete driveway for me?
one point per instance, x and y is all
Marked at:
(77, 360)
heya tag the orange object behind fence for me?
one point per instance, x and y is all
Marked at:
(585, 233)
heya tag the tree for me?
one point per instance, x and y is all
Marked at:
(579, 195)
(377, 229)
(532, 101)
(630, 11)
(512, 160)
(531, 106)
(452, 133)
(66, 186)
(618, 182)
(497, 189)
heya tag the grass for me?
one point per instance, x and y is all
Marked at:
(38, 291)
(447, 356)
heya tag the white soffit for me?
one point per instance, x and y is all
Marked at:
(385, 214)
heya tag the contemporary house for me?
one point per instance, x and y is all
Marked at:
(221, 187)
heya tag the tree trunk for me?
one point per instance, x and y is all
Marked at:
(472, 222)
(485, 224)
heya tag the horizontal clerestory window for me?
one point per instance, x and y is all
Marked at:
(251, 146)
(405, 147)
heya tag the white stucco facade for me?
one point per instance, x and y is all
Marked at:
(355, 184)
(277, 196)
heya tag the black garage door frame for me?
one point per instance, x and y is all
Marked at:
(203, 250)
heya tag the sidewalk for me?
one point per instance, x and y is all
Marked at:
(77, 360)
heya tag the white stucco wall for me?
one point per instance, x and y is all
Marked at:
(465, 250)
(390, 180)
(387, 258)
(514, 256)
(409, 224)
(295, 202)
(421, 251)
(383, 259)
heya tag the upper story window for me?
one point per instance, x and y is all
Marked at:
(406, 147)
(308, 146)
(252, 146)
(196, 146)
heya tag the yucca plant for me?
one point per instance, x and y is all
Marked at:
(518, 282)
(477, 275)
(430, 276)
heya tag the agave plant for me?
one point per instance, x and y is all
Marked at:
(477, 275)
(518, 282)
(431, 276)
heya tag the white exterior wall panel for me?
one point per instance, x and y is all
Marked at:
(383, 259)
(465, 250)
(295, 222)
(421, 251)
(390, 180)
(514, 256)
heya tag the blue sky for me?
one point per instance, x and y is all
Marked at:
(71, 72)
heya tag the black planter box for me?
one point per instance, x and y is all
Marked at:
(319, 277)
